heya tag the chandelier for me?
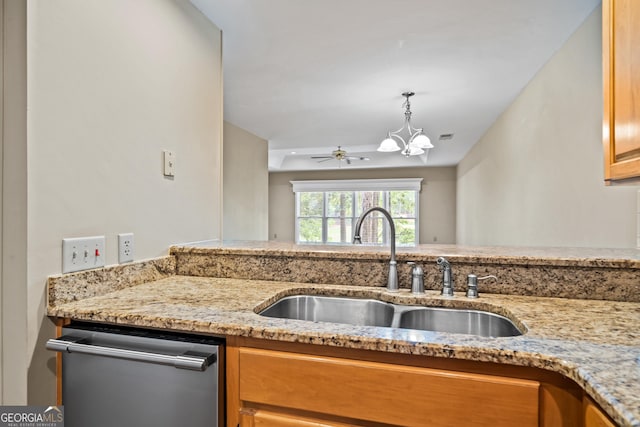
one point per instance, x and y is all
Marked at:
(416, 141)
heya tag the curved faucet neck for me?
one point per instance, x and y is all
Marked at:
(392, 280)
(392, 228)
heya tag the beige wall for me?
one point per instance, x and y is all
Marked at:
(536, 177)
(13, 313)
(110, 85)
(437, 199)
(246, 185)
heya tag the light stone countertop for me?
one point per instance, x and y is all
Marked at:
(553, 256)
(594, 343)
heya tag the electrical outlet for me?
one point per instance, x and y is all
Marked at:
(82, 253)
(125, 247)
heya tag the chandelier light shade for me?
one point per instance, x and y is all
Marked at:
(416, 141)
(388, 145)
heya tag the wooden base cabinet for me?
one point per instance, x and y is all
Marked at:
(286, 385)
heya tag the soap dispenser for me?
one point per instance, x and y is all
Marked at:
(472, 284)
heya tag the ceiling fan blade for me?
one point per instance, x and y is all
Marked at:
(325, 160)
(322, 157)
(348, 160)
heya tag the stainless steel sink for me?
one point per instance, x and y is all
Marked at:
(370, 312)
(459, 321)
(361, 312)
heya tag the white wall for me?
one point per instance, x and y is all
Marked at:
(536, 176)
(246, 185)
(110, 85)
(437, 199)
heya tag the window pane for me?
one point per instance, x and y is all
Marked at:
(403, 204)
(339, 203)
(310, 230)
(405, 232)
(328, 217)
(339, 230)
(372, 230)
(368, 199)
(311, 204)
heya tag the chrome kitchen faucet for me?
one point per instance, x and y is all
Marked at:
(392, 281)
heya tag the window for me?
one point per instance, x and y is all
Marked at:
(327, 211)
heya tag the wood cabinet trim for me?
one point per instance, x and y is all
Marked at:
(607, 81)
(252, 417)
(232, 384)
(60, 323)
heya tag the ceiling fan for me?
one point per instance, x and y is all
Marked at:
(339, 155)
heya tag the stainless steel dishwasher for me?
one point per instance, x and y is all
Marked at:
(118, 376)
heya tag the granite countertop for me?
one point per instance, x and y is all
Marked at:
(594, 343)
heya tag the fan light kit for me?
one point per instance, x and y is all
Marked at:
(415, 144)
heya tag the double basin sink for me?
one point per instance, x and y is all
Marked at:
(371, 312)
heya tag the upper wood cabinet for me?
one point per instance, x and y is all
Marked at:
(621, 76)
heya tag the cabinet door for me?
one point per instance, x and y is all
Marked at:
(621, 75)
(594, 417)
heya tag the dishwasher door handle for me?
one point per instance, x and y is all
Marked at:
(191, 360)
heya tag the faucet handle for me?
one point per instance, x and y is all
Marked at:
(472, 284)
(417, 278)
(415, 268)
(447, 276)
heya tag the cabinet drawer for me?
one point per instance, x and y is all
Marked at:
(380, 392)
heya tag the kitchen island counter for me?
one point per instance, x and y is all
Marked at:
(594, 343)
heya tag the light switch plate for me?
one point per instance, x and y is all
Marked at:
(169, 163)
(82, 253)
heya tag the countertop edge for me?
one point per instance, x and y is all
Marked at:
(418, 254)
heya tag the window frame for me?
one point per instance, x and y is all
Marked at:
(385, 186)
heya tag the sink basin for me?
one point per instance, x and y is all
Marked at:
(370, 312)
(353, 311)
(459, 321)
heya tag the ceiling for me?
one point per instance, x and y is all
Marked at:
(309, 75)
